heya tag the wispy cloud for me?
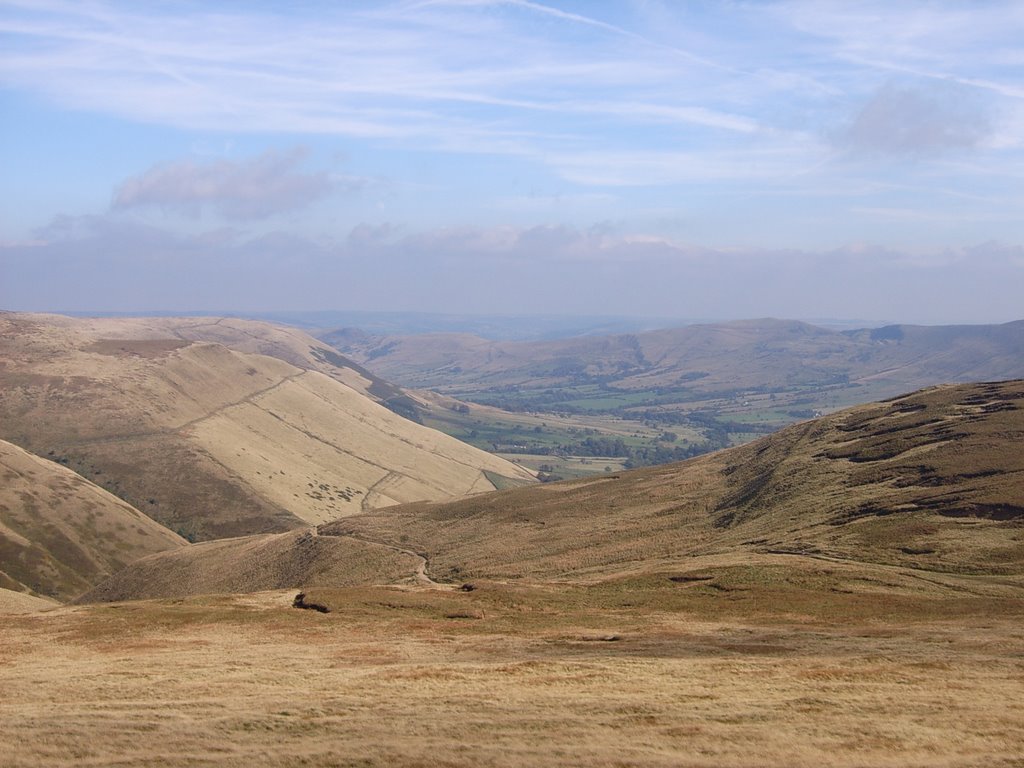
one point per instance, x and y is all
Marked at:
(485, 76)
(253, 189)
(430, 74)
(653, 168)
(918, 119)
(787, 122)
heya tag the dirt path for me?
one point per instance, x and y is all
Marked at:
(420, 574)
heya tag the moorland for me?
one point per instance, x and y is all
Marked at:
(846, 590)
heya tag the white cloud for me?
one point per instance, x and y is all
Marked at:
(429, 71)
(253, 189)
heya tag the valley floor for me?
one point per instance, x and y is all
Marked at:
(502, 677)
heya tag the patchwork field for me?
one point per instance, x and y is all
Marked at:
(712, 386)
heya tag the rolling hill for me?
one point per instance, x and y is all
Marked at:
(846, 592)
(932, 480)
(738, 367)
(257, 563)
(12, 602)
(213, 441)
(60, 534)
(286, 343)
(748, 354)
(924, 492)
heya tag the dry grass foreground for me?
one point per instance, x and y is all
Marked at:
(213, 442)
(60, 534)
(517, 676)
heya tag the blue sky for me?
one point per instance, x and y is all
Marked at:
(689, 159)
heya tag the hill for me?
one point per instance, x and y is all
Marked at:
(22, 602)
(257, 563)
(846, 592)
(60, 534)
(705, 359)
(286, 343)
(925, 490)
(572, 407)
(212, 441)
(932, 480)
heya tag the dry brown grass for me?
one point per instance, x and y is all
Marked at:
(212, 441)
(546, 675)
(728, 611)
(60, 534)
(931, 481)
(815, 489)
(256, 563)
(22, 602)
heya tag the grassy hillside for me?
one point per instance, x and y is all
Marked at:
(932, 480)
(255, 563)
(211, 441)
(60, 534)
(21, 602)
(291, 345)
(847, 592)
(748, 354)
(923, 492)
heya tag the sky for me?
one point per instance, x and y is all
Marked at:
(722, 160)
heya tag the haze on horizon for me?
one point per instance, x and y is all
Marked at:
(719, 160)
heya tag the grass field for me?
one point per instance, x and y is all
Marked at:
(510, 676)
(535, 439)
(567, 467)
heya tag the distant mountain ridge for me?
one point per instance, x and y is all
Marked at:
(753, 353)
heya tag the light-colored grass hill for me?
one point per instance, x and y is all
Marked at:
(923, 494)
(61, 534)
(22, 602)
(286, 343)
(214, 442)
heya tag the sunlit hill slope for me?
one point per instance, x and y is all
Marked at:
(212, 441)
